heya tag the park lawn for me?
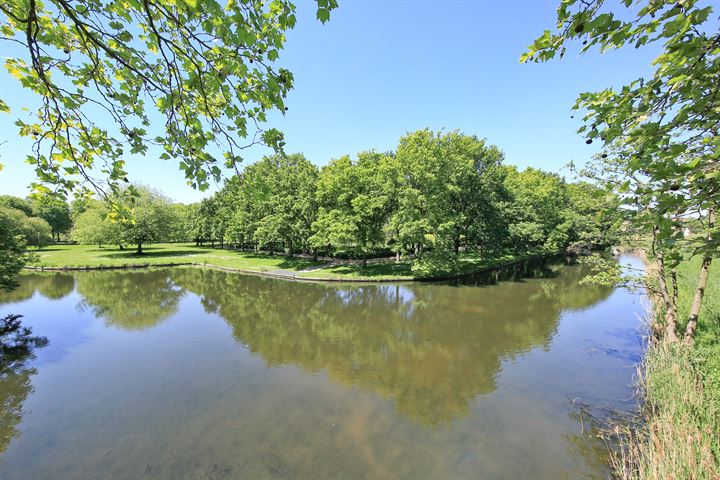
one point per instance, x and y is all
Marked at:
(373, 272)
(473, 262)
(165, 253)
(92, 256)
(469, 262)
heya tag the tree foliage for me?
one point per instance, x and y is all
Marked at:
(55, 211)
(659, 132)
(439, 195)
(204, 69)
(354, 204)
(13, 251)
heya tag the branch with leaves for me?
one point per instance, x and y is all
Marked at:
(104, 70)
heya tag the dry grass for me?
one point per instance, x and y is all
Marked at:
(679, 435)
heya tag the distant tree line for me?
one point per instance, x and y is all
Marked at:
(39, 220)
(28, 222)
(437, 195)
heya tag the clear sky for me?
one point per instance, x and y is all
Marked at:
(381, 68)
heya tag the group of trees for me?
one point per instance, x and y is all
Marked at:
(436, 195)
(151, 217)
(40, 219)
(27, 222)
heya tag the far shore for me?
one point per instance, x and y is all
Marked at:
(61, 257)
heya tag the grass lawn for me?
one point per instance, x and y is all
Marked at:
(375, 271)
(468, 263)
(81, 256)
(163, 253)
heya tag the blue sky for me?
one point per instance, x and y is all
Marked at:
(381, 68)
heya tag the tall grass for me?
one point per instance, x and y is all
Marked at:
(678, 435)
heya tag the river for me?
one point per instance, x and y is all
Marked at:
(190, 373)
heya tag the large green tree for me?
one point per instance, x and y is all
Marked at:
(537, 217)
(13, 252)
(659, 132)
(55, 211)
(290, 204)
(203, 69)
(450, 184)
(94, 227)
(150, 217)
(353, 204)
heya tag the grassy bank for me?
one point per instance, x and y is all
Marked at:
(680, 435)
(87, 256)
(468, 263)
(165, 253)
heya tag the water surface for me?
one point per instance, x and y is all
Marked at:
(201, 374)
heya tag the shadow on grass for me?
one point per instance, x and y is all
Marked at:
(48, 249)
(290, 263)
(147, 253)
(376, 270)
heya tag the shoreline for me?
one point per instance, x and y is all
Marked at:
(292, 276)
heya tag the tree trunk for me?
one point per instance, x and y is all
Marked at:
(456, 246)
(364, 259)
(701, 283)
(315, 254)
(670, 307)
(697, 300)
(139, 249)
(397, 256)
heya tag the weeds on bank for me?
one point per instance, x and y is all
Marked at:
(678, 435)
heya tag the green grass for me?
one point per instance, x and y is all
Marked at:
(164, 253)
(92, 256)
(473, 262)
(376, 271)
(709, 322)
(679, 437)
(468, 263)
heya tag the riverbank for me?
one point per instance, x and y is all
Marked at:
(677, 436)
(90, 257)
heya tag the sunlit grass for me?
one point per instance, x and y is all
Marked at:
(376, 271)
(679, 436)
(166, 253)
(92, 256)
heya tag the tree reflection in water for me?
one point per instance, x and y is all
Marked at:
(130, 300)
(51, 285)
(430, 348)
(16, 349)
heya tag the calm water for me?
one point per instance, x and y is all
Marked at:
(201, 374)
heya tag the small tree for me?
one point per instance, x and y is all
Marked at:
(150, 217)
(660, 132)
(55, 211)
(13, 252)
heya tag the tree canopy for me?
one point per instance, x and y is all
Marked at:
(659, 132)
(438, 196)
(203, 69)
